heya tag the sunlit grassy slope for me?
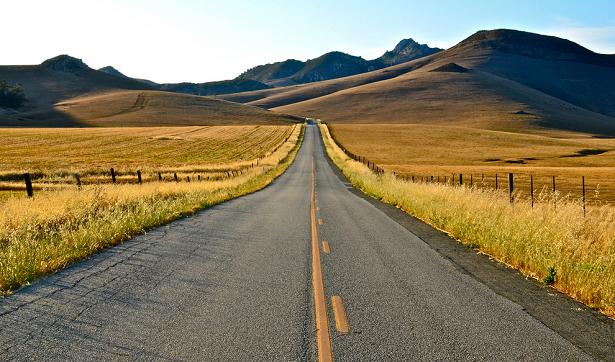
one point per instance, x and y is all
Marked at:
(580, 249)
(425, 151)
(45, 233)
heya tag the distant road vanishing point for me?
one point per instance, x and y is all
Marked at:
(303, 270)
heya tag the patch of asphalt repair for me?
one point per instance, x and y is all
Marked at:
(586, 328)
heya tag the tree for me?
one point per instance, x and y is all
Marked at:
(11, 97)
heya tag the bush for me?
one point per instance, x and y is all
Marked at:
(11, 97)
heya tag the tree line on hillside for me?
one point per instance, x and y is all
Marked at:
(11, 97)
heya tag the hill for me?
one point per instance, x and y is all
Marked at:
(64, 91)
(198, 89)
(515, 81)
(334, 65)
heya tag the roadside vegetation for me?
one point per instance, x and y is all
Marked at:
(54, 229)
(556, 245)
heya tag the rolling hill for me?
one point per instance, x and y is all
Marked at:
(65, 92)
(513, 81)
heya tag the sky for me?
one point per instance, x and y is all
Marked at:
(210, 40)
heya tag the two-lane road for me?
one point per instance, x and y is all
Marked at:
(235, 283)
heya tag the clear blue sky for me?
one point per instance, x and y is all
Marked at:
(198, 41)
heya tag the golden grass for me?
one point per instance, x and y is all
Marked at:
(158, 108)
(439, 151)
(54, 155)
(54, 229)
(581, 249)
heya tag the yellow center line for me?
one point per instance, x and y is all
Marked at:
(322, 326)
(325, 247)
(341, 322)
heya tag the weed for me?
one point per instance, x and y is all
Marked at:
(550, 278)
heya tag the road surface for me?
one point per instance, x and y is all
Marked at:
(236, 283)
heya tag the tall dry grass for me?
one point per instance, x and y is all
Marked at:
(54, 229)
(532, 239)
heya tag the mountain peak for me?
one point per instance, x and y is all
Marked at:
(64, 63)
(536, 46)
(405, 51)
(110, 70)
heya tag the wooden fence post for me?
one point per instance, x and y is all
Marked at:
(482, 187)
(29, 188)
(139, 176)
(112, 175)
(496, 182)
(188, 178)
(532, 189)
(511, 187)
(583, 196)
(159, 177)
(175, 175)
(78, 180)
(554, 200)
(460, 180)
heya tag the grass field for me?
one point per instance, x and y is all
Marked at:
(54, 155)
(53, 229)
(558, 245)
(443, 152)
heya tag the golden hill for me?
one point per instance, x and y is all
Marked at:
(516, 81)
(64, 92)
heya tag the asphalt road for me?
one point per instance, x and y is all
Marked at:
(234, 283)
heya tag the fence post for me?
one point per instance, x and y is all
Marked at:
(460, 180)
(496, 182)
(78, 180)
(511, 187)
(159, 177)
(139, 176)
(532, 189)
(482, 187)
(112, 175)
(175, 175)
(583, 196)
(431, 179)
(29, 188)
(412, 178)
(554, 200)
(188, 178)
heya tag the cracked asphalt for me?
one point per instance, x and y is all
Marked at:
(234, 283)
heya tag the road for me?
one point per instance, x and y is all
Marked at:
(235, 283)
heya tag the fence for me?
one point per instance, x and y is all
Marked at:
(136, 177)
(521, 185)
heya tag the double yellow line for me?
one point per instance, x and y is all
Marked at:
(322, 326)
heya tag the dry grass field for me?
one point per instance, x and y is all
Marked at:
(559, 245)
(54, 155)
(157, 108)
(423, 151)
(56, 228)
